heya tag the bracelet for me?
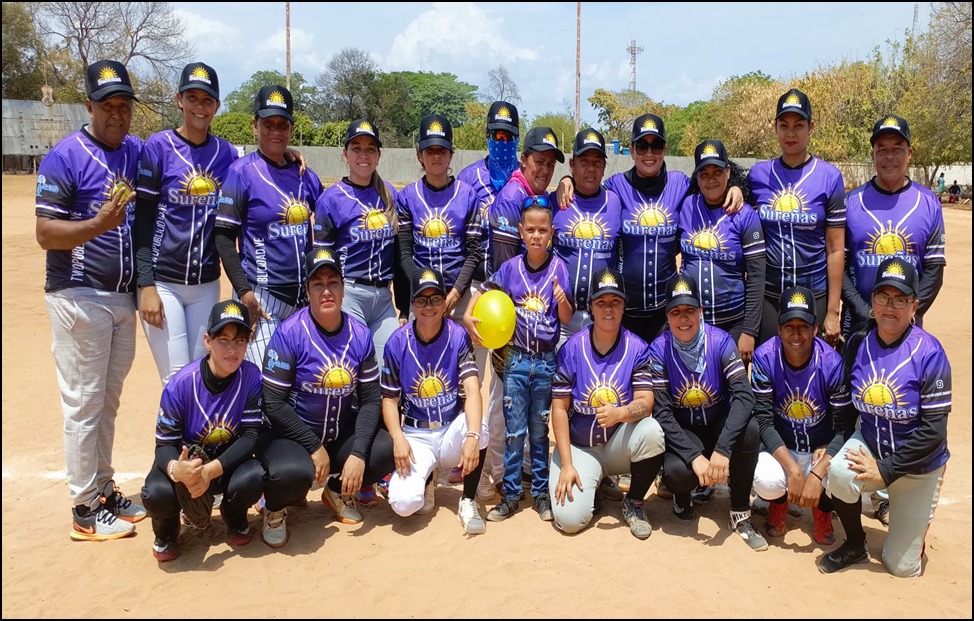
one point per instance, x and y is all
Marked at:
(172, 470)
(473, 434)
(816, 475)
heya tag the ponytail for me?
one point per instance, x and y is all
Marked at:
(386, 197)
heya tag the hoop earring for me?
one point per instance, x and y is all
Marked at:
(872, 314)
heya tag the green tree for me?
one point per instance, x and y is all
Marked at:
(684, 127)
(618, 110)
(389, 104)
(241, 99)
(23, 74)
(470, 136)
(345, 84)
(331, 134)
(562, 124)
(742, 115)
(439, 93)
(236, 127)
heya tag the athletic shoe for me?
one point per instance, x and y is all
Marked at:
(542, 504)
(275, 528)
(635, 517)
(237, 537)
(455, 475)
(469, 515)
(608, 490)
(843, 556)
(98, 525)
(367, 496)
(343, 505)
(683, 511)
(759, 506)
(217, 500)
(165, 550)
(502, 511)
(123, 508)
(777, 512)
(625, 480)
(702, 494)
(429, 495)
(382, 487)
(823, 527)
(740, 523)
(882, 512)
(485, 491)
(661, 490)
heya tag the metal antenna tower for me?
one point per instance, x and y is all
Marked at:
(633, 49)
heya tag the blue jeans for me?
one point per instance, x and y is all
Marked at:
(527, 408)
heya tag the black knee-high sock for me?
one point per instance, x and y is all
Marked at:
(472, 479)
(825, 503)
(643, 474)
(851, 517)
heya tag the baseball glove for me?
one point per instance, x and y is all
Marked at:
(196, 512)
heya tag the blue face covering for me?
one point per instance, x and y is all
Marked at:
(501, 161)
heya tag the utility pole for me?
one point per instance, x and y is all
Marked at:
(287, 30)
(633, 49)
(578, 58)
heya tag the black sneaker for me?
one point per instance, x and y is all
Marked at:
(608, 490)
(502, 511)
(542, 504)
(702, 495)
(684, 512)
(843, 556)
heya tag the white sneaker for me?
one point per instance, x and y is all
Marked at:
(113, 500)
(344, 506)
(485, 491)
(469, 515)
(275, 528)
(429, 498)
(99, 525)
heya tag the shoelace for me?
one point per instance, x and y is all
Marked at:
(347, 500)
(105, 517)
(275, 518)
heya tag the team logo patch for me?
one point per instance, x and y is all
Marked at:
(603, 392)
(682, 287)
(294, 211)
(707, 239)
(217, 431)
(503, 115)
(436, 225)
(608, 280)
(588, 226)
(709, 150)
(788, 200)
(428, 277)
(374, 219)
(549, 138)
(200, 74)
(800, 407)
(232, 311)
(798, 301)
(430, 384)
(106, 75)
(696, 394)
(890, 240)
(592, 138)
(199, 182)
(365, 128)
(792, 101)
(649, 125)
(890, 122)
(894, 271)
(651, 216)
(335, 377)
(277, 100)
(435, 129)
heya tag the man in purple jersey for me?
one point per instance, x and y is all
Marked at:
(900, 380)
(84, 222)
(802, 401)
(214, 403)
(704, 403)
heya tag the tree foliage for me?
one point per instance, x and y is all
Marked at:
(23, 74)
(241, 99)
(618, 110)
(742, 115)
(439, 93)
(345, 85)
(234, 126)
(563, 125)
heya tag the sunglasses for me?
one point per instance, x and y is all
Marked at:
(432, 300)
(642, 146)
(500, 135)
(539, 201)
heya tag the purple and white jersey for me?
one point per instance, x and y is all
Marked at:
(795, 206)
(504, 216)
(648, 238)
(321, 371)
(803, 400)
(351, 221)
(879, 225)
(699, 398)
(191, 414)
(536, 325)
(715, 248)
(477, 177)
(893, 387)
(74, 179)
(586, 234)
(441, 222)
(271, 207)
(186, 180)
(591, 380)
(430, 375)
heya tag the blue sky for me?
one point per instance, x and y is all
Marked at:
(688, 49)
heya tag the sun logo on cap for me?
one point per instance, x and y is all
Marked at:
(879, 391)
(277, 98)
(430, 383)
(592, 137)
(435, 128)
(374, 219)
(890, 240)
(199, 182)
(587, 226)
(651, 216)
(336, 375)
(503, 113)
(201, 74)
(788, 200)
(427, 276)
(218, 431)
(890, 122)
(682, 287)
(696, 394)
(706, 239)
(436, 225)
(533, 302)
(895, 270)
(799, 407)
(323, 255)
(604, 392)
(366, 127)
(798, 300)
(294, 211)
(107, 73)
(608, 280)
(232, 310)
(649, 125)
(793, 100)
(549, 138)
(709, 150)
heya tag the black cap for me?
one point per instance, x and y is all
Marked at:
(897, 273)
(361, 127)
(682, 290)
(225, 313)
(107, 78)
(503, 115)
(435, 131)
(318, 258)
(427, 279)
(797, 303)
(710, 153)
(201, 76)
(648, 125)
(542, 139)
(794, 101)
(274, 100)
(891, 124)
(586, 140)
(607, 281)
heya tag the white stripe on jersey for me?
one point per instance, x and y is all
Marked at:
(879, 222)
(791, 227)
(202, 409)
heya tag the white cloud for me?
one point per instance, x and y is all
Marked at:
(208, 35)
(272, 51)
(683, 90)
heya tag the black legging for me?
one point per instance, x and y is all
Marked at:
(290, 471)
(241, 488)
(647, 325)
(680, 479)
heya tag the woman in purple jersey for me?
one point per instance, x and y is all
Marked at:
(215, 403)
(901, 386)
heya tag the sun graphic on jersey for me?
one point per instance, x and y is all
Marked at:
(430, 383)
(649, 125)
(603, 392)
(534, 301)
(199, 182)
(374, 219)
(218, 431)
(799, 407)
(117, 184)
(106, 74)
(294, 211)
(707, 238)
(436, 224)
(696, 394)
(650, 215)
(587, 226)
(788, 200)
(335, 374)
(879, 391)
(890, 240)
(200, 73)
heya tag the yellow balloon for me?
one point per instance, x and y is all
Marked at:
(495, 310)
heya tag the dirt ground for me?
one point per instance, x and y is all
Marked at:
(424, 566)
